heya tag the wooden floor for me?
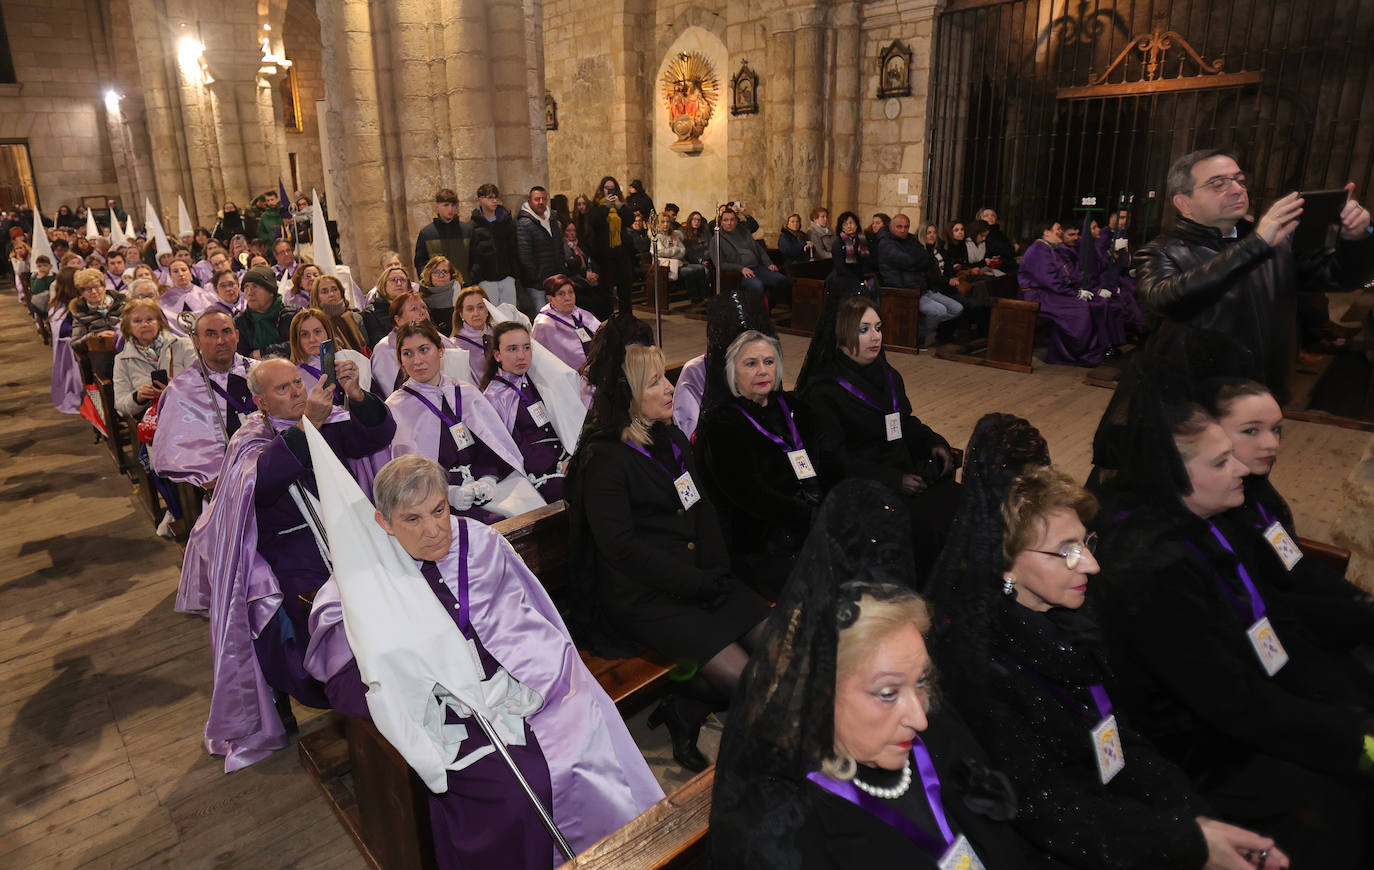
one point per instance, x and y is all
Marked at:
(104, 689)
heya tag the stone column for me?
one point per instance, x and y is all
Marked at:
(779, 113)
(808, 138)
(156, 57)
(845, 101)
(472, 127)
(510, 99)
(420, 117)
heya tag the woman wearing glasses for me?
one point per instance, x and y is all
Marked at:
(1021, 656)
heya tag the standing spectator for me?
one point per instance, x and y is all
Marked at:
(639, 201)
(230, 224)
(539, 237)
(440, 286)
(494, 255)
(609, 220)
(1216, 270)
(444, 235)
(559, 206)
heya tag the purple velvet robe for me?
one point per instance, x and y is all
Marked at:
(599, 778)
(1046, 277)
(260, 557)
(559, 335)
(193, 299)
(203, 273)
(387, 376)
(687, 397)
(538, 444)
(67, 389)
(1116, 276)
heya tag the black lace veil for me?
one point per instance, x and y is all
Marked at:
(728, 315)
(781, 722)
(823, 350)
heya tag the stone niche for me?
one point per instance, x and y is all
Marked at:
(695, 181)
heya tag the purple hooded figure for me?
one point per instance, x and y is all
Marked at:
(1049, 278)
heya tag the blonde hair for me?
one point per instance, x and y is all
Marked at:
(1029, 502)
(126, 319)
(88, 278)
(298, 355)
(878, 618)
(642, 363)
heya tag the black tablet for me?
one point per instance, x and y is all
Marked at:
(1321, 209)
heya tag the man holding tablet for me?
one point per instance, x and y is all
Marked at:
(1217, 271)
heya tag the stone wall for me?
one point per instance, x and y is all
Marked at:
(58, 105)
(301, 39)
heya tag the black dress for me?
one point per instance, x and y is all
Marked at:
(851, 441)
(813, 829)
(1278, 754)
(662, 571)
(765, 509)
(1035, 726)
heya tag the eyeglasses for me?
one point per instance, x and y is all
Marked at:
(1073, 553)
(1219, 183)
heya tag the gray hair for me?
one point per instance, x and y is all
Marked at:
(406, 480)
(732, 353)
(1180, 178)
(141, 282)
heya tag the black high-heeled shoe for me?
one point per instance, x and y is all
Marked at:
(682, 731)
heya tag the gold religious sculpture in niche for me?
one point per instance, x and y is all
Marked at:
(550, 112)
(746, 91)
(894, 71)
(690, 91)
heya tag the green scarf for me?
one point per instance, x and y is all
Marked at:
(265, 332)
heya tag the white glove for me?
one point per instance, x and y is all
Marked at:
(1105, 293)
(1085, 295)
(484, 489)
(461, 496)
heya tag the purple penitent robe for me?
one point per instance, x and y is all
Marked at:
(544, 454)
(1046, 278)
(579, 757)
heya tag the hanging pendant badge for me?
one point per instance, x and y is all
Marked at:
(538, 414)
(1111, 758)
(1278, 538)
(459, 431)
(801, 464)
(1267, 646)
(893, 422)
(686, 490)
(960, 856)
(582, 335)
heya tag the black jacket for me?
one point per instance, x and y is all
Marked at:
(1240, 287)
(449, 238)
(998, 245)
(541, 253)
(377, 319)
(244, 323)
(903, 262)
(1145, 817)
(792, 247)
(493, 253)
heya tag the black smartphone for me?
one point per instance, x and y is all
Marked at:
(327, 361)
(1321, 209)
(160, 377)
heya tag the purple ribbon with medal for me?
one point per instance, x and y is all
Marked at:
(438, 412)
(891, 388)
(230, 400)
(791, 427)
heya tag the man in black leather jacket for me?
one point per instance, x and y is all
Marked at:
(1215, 270)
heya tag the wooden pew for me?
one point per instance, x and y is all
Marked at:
(808, 296)
(669, 834)
(901, 313)
(385, 809)
(1329, 555)
(1011, 327)
(95, 357)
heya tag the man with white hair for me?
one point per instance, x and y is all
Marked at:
(558, 725)
(266, 549)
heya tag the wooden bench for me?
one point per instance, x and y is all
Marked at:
(1011, 326)
(808, 297)
(385, 809)
(901, 313)
(669, 834)
(95, 358)
(1329, 555)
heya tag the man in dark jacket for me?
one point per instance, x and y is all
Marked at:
(904, 262)
(265, 324)
(1217, 271)
(539, 238)
(446, 235)
(494, 254)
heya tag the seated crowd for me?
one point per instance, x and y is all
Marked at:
(1146, 672)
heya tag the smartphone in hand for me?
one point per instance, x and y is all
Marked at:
(160, 377)
(327, 361)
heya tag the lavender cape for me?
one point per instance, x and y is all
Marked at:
(470, 340)
(1078, 325)
(417, 427)
(386, 367)
(687, 395)
(553, 331)
(363, 470)
(243, 725)
(600, 780)
(189, 444)
(176, 300)
(67, 389)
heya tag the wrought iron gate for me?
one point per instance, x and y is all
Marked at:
(1037, 103)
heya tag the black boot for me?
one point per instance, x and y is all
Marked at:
(683, 718)
(288, 719)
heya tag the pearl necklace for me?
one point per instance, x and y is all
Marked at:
(893, 792)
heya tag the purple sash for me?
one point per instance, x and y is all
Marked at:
(319, 376)
(464, 622)
(791, 427)
(1257, 608)
(438, 412)
(525, 397)
(876, 807)
(230, 400)
(1101, 700)
(479, 346)
(677, 457)
(891, 387)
